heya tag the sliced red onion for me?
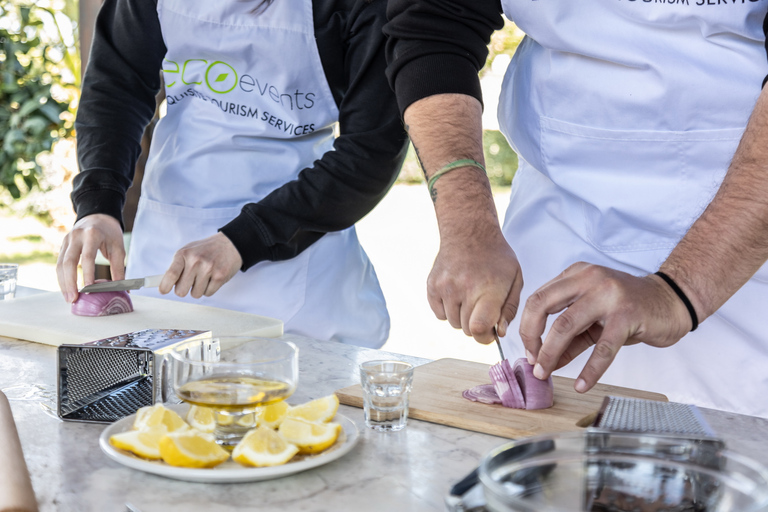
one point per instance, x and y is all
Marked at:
(484, 393)
(102, 304)
(506, 386)
(514, 386)
(539, 394)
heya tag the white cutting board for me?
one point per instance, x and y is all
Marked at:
(46, 318)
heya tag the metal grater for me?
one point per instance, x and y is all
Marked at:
(619, 414)
(105, 380)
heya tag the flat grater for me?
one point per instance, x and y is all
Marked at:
(635, 415)
(105, 380)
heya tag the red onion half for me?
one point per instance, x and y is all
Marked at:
(514, 386)
(102, 304)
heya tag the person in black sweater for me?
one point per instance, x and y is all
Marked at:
(244, 171)
(631, 219)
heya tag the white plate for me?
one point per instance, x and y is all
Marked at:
(229, 471)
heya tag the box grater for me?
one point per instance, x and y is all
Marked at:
(105, 380)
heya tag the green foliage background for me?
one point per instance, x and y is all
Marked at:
(39, 77)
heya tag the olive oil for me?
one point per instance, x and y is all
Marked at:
(233, 392)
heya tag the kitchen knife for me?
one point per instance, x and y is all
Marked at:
(498, 343)
(127, 284)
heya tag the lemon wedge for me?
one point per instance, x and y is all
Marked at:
(201, 418)
(144, 443)
(263, 447)
(310, 437)
(158, 414)
(323, 409)
(272, 415)
(191, 449)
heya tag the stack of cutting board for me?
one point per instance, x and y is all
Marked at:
(436, 397)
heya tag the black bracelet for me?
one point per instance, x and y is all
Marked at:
(683, 297)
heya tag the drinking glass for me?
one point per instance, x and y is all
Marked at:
(249, 372)
(386, 387)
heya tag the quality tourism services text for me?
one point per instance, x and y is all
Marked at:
(221, 78)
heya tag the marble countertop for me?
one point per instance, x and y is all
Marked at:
(408, 470)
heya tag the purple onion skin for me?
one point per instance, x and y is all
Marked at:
(102, 304)
(539, 394)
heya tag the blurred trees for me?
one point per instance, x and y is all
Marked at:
(39, 89)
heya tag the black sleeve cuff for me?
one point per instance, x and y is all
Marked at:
(106, 201)
(245, 232)
(442, 73)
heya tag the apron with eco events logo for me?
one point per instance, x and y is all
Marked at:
(625, 115)
(248, 107)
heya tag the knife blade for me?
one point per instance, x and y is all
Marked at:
(124, 285)
(498, 343)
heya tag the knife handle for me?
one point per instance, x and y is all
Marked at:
(153, 281)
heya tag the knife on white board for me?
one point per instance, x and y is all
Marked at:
(124, 285)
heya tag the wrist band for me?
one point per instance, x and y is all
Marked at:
(466, 162)
(683, 297)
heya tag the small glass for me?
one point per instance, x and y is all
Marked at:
(249, 372)
(8, 273)
(386, 387)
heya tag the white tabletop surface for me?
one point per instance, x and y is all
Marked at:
(408, 470)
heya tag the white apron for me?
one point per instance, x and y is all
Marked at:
(625, 115)
(248, 108)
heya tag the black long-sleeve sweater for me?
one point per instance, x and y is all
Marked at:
(438, 46)
(118, 101)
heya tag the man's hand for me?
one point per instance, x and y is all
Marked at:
(604, 308)
(472, 281)
(89, 235)
(202, 267)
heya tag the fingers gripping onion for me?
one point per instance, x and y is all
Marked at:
(102, 304)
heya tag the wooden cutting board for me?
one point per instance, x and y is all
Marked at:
(46, 318)
(436, 397)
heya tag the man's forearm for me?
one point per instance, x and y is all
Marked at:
(446, 128)
(729, 242)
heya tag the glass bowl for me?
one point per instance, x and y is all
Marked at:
(599, 471)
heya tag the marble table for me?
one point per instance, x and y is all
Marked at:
(411, 470)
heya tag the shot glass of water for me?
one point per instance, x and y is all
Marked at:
(8, 273)
(386, 386)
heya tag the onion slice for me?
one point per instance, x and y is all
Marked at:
(507, 387)
(102, 304)
(484, 393)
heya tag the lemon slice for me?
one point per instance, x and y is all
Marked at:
(272, 415)
(191, 449)
(322, 409)
(310, 437)
(201, 418)
(158, 414)
(263, 447)
(144, 443)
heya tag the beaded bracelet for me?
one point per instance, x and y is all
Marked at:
(683, 297)
(466, 162)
